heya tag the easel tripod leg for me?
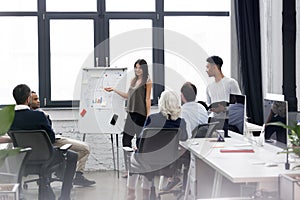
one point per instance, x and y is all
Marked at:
(112, 149)
(117, 144)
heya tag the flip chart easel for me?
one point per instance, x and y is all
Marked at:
(102, 112)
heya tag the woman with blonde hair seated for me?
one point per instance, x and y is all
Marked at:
(167, 117)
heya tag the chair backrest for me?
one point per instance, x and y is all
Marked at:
(204, 130)
(159, 147)
(37, 140)
(203, 104)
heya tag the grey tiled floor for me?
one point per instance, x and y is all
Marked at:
(108, 187)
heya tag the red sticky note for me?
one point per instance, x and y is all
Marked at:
(82, 113)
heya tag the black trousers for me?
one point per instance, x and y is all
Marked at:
(133, 126)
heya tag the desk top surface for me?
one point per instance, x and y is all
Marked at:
(265, 164)
(4, 145)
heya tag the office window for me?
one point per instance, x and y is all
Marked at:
(71, 5)
(18, 5)
(210, 35)
(71, 42)
(74, 27)
(19, 55)
(130, 40)
(130, 5)
(197, 5)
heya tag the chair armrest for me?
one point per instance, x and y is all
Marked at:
(128, 149)
(28, 149)
(65, 147)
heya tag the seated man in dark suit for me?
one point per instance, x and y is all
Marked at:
(26, 119)
(81, 148)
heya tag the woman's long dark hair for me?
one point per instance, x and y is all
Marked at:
(144, 67)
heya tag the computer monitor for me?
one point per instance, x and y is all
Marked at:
(237, 113)
(276, 110)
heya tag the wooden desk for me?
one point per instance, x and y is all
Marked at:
(216, 174)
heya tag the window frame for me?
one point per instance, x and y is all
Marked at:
(45, 82)
(101, 33)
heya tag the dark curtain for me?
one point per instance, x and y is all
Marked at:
(248, 39)
(289, 52)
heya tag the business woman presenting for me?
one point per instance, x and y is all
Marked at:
(138, 102)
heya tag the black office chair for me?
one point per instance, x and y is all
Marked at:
(204, 104)
(158, 152)
(204, 130)
(40, 159)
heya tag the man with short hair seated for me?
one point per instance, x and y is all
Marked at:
(81, 148)
(194, 114)
(26, 119)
